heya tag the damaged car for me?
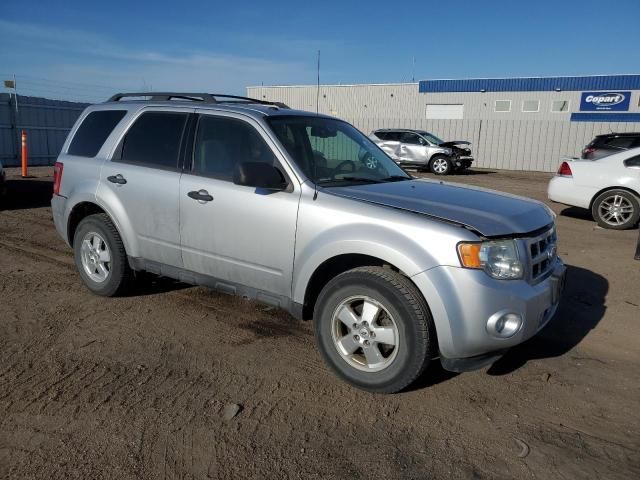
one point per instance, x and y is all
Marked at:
(423, 150)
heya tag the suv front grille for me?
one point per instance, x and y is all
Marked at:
(542, 253)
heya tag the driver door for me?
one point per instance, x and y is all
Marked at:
(241, 236)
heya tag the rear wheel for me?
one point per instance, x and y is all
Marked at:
(616, 209)
(100, 256)
(374, 329)
(440, 165)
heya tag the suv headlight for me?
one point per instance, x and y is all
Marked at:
(498, 258)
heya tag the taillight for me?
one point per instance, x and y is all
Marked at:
(565, 170)
(57, 177)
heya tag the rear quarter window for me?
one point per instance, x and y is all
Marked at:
(93, 132)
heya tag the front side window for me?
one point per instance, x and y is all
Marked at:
(410, 138)
(93, 132)
(333, 153)
(222, 143)
(154, 140)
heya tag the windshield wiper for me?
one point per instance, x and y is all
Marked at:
(395, 178)
(351, 179)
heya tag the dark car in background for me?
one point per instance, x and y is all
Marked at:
(610, 143)
(423, 150)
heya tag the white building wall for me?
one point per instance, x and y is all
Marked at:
(516, 140)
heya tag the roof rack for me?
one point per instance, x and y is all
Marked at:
(194, 97)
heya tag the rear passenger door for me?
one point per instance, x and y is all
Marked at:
(240, 236)
(141, 184)
(390, 144)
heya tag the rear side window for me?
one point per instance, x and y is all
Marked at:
(93, 131)
(381, 135)
(620, 142)
(154, 140)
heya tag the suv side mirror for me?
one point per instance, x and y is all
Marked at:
(259, 175)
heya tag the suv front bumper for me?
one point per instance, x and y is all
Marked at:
(463, 300)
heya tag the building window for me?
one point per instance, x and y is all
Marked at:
(560, 106)
(437, 111)
(503, 106)
(531, 105)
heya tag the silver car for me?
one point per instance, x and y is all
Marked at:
(423, 150)
(303, 212)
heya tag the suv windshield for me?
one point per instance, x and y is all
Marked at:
(331, 152)
(431, 138)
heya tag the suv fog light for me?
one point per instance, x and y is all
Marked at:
(504, 324)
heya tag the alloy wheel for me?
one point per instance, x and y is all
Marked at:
(615, 210)
(364, 333)
(95, 257)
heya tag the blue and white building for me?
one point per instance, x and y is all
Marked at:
(513, 123)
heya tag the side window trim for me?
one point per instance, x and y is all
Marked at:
(189, 160)
(116, 157)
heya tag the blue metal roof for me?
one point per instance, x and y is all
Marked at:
(532, 84)
(605, 117)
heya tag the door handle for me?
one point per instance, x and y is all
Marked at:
(200, 195)
(119, 179)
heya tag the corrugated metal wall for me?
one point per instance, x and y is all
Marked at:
(47, 123)
(514, 141)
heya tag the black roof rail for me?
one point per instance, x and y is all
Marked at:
(194, 97)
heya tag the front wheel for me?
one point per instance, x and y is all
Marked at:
(440, 165)
(616, 209)
(374, 329)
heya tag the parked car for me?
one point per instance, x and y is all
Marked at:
(417, 148)
(610, 143)
(302, 211)
(609, 187)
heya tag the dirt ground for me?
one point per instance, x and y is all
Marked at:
(137, 387)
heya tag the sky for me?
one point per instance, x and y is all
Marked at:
(88, 50)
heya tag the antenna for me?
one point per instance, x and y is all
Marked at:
(413, 70)
(315, 164)
(318, 85)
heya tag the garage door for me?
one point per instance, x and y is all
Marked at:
(448, 111)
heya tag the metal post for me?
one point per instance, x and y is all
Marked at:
(637, 257)
(23, 155)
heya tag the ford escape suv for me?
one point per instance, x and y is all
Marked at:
(304, 212)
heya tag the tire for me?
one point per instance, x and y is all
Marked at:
(440, 165)
(115, 276)
(403, 318)
(616, 209)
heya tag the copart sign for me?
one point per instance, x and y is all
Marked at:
(605, 101)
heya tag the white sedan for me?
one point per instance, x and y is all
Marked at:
(609, 187)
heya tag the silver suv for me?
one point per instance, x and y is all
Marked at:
(417, 148)
(304, 212)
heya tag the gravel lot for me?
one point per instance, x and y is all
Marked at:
(138, 387)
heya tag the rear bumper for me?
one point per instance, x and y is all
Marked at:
(58, 203)
(565, 190)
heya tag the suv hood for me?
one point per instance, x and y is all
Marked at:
(454, 142)
(490, 213)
